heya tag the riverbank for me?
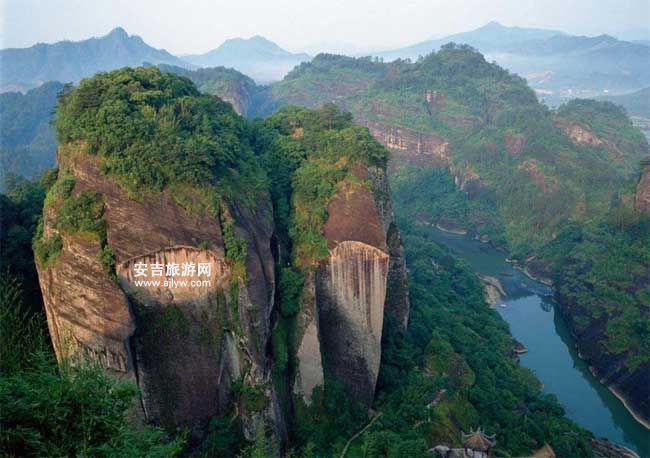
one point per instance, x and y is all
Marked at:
(552, 353)
(621, 398)
(536, 270)
(450, 230)
(593, 370)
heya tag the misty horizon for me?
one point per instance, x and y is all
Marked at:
(353, 34)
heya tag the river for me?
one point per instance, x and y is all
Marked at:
(530, 312)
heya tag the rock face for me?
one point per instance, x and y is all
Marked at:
(578, 133)
(184, 343)
(514, 143)
(467, 181)
(88, 315)
(615, 146)
(544, 183)
(605, 449)
(435, 99)
(418, 149)
(642, 197)
(493, 289)
(350, 292)
(238, 95)
(630, 385)
(408, 145)
(309, 373)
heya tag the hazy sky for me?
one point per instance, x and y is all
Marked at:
(197, 26)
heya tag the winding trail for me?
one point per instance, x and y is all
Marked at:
(360, 432)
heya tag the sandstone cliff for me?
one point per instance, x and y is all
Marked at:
(642, 197)
(185, 345)
(628, 384)
(409, 146)
(350, 292)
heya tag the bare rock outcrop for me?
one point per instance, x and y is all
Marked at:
(578, 133)
(409, 146)
(545, 183)
(514, 143)
(581, 134)
(435, 99)
(88, 314)
(493, 289)
(174, 315)
(347, 297)
(642, 196)
(467, 181)
(351, 292)
(309, 373)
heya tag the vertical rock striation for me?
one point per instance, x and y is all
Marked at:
(350, 292)
(642, 197)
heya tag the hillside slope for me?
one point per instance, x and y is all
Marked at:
(27, 145)
(636, 103)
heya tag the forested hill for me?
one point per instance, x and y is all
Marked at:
(636, 103)
(538, 166)
(552, 61)
(227, 83)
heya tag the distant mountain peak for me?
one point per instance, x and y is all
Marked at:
(118, 32)
(606, 37)
(257, 57)
(257, 42)
(494, 25)
(488, 37)
(260, 38)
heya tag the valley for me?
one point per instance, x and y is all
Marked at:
(351, 213)
(530, 311)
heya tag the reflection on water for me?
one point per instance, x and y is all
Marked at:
(533, 321)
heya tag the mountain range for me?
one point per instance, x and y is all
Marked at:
(491, 37)
(311, 316)
(559, 66)
(559, 190)
(69, 61)
(27, 142)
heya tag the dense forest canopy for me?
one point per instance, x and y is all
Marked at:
(152, 128)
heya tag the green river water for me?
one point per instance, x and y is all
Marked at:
(530, 312)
